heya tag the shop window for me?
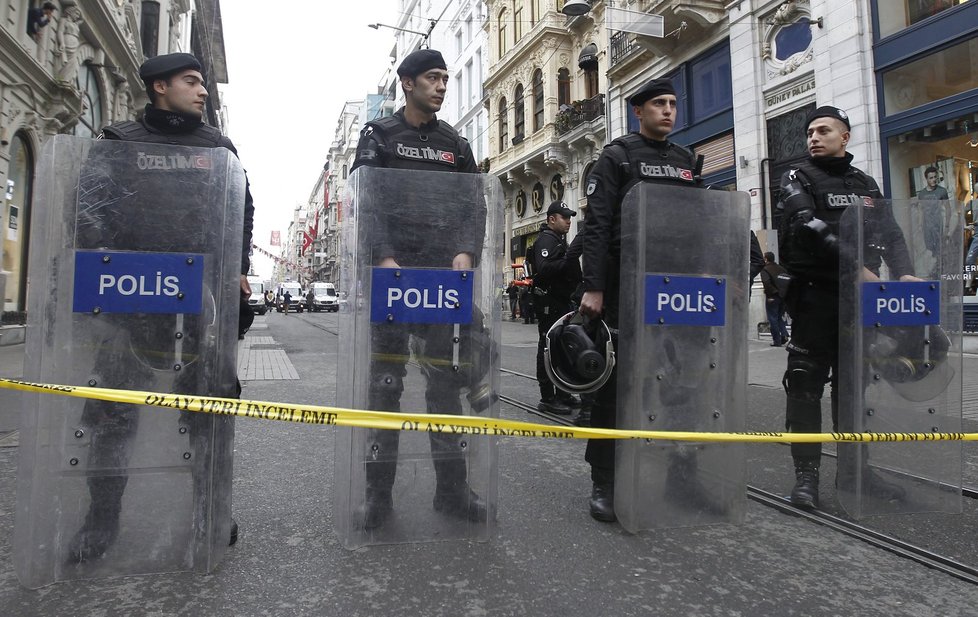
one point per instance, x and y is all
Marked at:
(563, 87)
(519, 115)
(899, 14)
(931, 78)
(786, 145)
(537, 100)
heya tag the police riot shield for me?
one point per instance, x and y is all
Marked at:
(134, 285)
(419, 334)
(900, 363)
(682, 355)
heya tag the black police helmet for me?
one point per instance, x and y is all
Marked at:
(579, 355)
(913, 361)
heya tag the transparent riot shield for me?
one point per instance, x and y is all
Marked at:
(134, 266)
(682, 355)
(418, 336)
(900, 363)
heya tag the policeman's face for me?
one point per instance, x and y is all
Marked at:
(558, 223)
(827, 137)
(427, 90)
(657, 116)
(183, 92)
(931, 180)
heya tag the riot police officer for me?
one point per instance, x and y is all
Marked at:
(814, 196)
(556, 274)
(645, 156)
(414, 138)
(174, 116)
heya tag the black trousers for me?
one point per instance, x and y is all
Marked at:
(548, 311)
(600, 453)
(442, 395)
(813, 361)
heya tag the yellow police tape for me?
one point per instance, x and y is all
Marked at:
(431, 423)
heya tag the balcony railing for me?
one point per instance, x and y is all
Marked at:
(579, 112)
(621, 46)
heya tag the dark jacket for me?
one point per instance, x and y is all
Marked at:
(557, 266)
(623, 163)
(162, 127)
(415, 226)
(769, 274)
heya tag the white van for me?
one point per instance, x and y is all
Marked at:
(324, 297)
(257, 298)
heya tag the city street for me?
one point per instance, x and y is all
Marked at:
(548, 557)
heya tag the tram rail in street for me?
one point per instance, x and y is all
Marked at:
(851, 529)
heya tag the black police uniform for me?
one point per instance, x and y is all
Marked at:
(821, 189)
(625, 162)
(557, 273)
(391, 142)
(139, 341)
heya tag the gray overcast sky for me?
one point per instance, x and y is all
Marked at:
(290, 70)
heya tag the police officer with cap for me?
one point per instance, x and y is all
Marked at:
(814, 196)
(175, 115)
(177, 95)
(645, 156)
(556, 275)
(414, 138)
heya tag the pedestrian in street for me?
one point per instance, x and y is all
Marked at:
(557, 273)
(811, 194)
(645, 156)
(310, 300)
(526, 304)
(270, 299)
(287, 300)
(174, 116)
(513, 291)
(773, 303)
(401, 141)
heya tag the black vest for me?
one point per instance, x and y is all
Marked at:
(833, 193)
(428, 148)
(204, 136)
(666, 164)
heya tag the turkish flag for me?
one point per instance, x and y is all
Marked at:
(306, 242)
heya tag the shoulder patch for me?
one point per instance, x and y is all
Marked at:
(544, 253)
(592, 185)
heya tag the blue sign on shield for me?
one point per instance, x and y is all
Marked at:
(415, 295)
(131, 282)
(685, 300)
(894, 303)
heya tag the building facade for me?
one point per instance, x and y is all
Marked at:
(546, 96)
(75, 74)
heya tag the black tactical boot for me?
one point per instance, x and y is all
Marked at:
(461, 503)
(568, 399)
(805, 492)
(603, 503)
(583, 418)
(96, 536)
(376, 509)
(554, 406)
